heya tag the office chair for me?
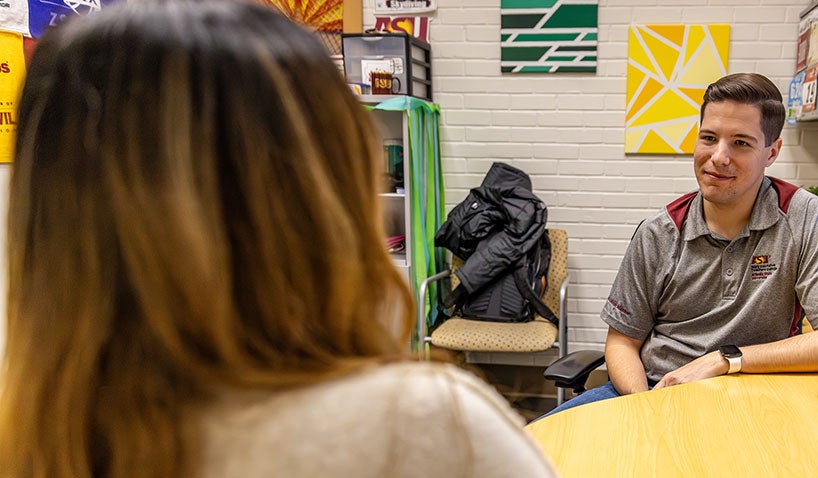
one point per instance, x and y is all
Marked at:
(501, 338)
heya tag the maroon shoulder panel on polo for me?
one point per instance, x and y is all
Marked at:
(785, 192)
(679, 208)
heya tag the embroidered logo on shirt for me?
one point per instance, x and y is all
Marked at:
(761, 268)
(618, 307)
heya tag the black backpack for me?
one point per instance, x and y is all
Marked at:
(514, 296)
(499, 232)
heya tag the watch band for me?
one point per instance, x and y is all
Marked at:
(735, 364)
(732, 354)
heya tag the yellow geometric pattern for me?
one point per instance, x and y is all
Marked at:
(669, 68)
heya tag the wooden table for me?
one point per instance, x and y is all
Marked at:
(742, 425)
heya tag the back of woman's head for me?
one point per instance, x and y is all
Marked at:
(193, 203)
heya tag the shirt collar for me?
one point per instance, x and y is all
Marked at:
(765, 214)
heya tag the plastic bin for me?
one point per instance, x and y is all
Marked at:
(406, 57)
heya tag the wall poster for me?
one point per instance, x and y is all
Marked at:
(669, 67)
(325, 17)
(12, 73)
(33, 17)
(548, 36)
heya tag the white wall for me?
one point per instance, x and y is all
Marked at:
(567, 130)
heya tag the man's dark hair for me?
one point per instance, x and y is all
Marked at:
(751, 89)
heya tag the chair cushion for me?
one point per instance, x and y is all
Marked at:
(483, 336)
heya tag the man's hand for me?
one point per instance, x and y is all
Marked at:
(706, 366)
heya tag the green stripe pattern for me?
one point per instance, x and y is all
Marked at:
(548, 36)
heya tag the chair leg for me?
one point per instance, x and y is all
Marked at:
(560, 396)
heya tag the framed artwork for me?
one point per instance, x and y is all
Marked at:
(548, 36)
(669, 67)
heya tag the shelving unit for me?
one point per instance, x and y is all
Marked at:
(418, 212)
(802, 102)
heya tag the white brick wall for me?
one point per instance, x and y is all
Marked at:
(567, 130)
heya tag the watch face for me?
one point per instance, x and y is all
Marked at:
(730, 351)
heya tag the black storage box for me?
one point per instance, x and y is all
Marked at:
(406, 57)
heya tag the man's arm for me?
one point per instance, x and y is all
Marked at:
(793, 354)
(625, 368)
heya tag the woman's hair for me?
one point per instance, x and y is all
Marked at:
(193, 205)
(751, 89)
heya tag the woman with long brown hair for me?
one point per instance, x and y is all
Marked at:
(198, 283)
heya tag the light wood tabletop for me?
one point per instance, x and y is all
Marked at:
(742, 425)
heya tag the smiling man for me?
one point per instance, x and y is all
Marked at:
(716, 282)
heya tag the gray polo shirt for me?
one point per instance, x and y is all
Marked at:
(686, 290)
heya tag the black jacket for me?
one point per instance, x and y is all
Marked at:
(493, 228)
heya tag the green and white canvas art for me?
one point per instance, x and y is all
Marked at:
(548, 36)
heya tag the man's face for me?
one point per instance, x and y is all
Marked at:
(730, 157)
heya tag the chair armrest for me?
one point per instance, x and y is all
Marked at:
(572, 370)
(421, 312)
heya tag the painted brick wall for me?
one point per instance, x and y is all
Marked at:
(567, 130)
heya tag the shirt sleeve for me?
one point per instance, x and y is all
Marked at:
(806, 286)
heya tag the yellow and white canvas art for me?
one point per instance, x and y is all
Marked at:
(669, 67)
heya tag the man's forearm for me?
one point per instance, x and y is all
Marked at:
(626, 371)
(794, 354)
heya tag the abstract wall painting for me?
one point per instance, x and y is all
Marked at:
(548, 36)
(669, 68)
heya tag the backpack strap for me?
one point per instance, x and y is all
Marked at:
(536, 303)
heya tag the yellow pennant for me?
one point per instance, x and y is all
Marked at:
(12, 72)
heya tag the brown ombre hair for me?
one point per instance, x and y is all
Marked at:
(193, 205)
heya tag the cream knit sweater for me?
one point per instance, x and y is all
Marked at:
(419, 420)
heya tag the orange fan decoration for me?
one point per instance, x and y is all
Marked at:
(322, 15)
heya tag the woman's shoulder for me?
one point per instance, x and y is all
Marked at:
(478, 429)
(398, 417)
(444, 385)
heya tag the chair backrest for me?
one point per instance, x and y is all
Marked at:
(558, 269)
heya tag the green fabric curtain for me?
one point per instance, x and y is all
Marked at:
(425, 193)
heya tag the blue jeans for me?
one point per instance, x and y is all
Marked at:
(603, 392)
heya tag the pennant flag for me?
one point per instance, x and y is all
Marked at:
(12, 72)
(417, 27)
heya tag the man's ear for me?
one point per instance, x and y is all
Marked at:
(775, 148)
